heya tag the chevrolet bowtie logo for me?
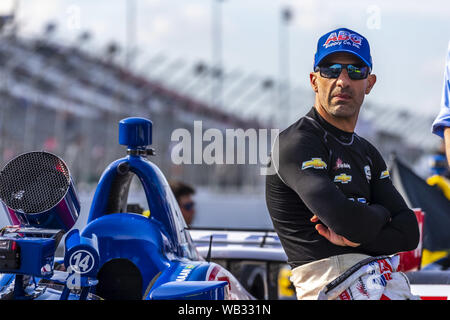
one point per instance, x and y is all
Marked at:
(384, 174)
(315, 163)
(343, 178)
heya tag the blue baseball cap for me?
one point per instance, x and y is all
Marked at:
(343, 40)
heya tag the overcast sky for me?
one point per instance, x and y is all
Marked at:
(408, 38)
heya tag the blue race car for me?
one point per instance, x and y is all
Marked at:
(118, 254)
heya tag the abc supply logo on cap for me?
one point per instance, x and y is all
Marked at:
(343, 37)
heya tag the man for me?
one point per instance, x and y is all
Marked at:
(441, 125)
(331, 200)
(183, 193)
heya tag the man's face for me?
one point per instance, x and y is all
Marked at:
(341, 97)
(187, 207)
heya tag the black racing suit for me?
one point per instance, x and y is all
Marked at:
(341, 178)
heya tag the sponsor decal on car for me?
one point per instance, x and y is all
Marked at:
(184, 273)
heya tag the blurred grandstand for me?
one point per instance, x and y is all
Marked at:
(68, 101)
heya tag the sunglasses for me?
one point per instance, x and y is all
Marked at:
(333, 70)
(188, 206)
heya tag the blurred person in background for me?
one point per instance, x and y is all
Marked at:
(183, 193)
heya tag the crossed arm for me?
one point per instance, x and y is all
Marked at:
(385, 226)
(400, 233)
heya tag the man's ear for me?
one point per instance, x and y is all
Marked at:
(313, 81)
(371, 79)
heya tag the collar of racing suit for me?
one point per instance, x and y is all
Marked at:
(343, 136)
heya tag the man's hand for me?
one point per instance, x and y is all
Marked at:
(331, 236)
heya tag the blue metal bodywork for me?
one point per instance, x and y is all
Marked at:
(161, 202)
(192, 290)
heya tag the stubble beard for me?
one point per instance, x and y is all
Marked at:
(342, 110)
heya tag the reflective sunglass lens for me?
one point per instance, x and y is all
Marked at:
(354, 72)
(357, 73)
(332, 71)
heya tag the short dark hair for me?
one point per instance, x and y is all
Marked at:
(180, 189)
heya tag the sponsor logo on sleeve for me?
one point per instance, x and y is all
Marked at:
(343, 178)
(384, 174)
(360, 200)
(368, 173)
(316, 163)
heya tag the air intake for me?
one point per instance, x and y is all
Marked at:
(38, 191)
